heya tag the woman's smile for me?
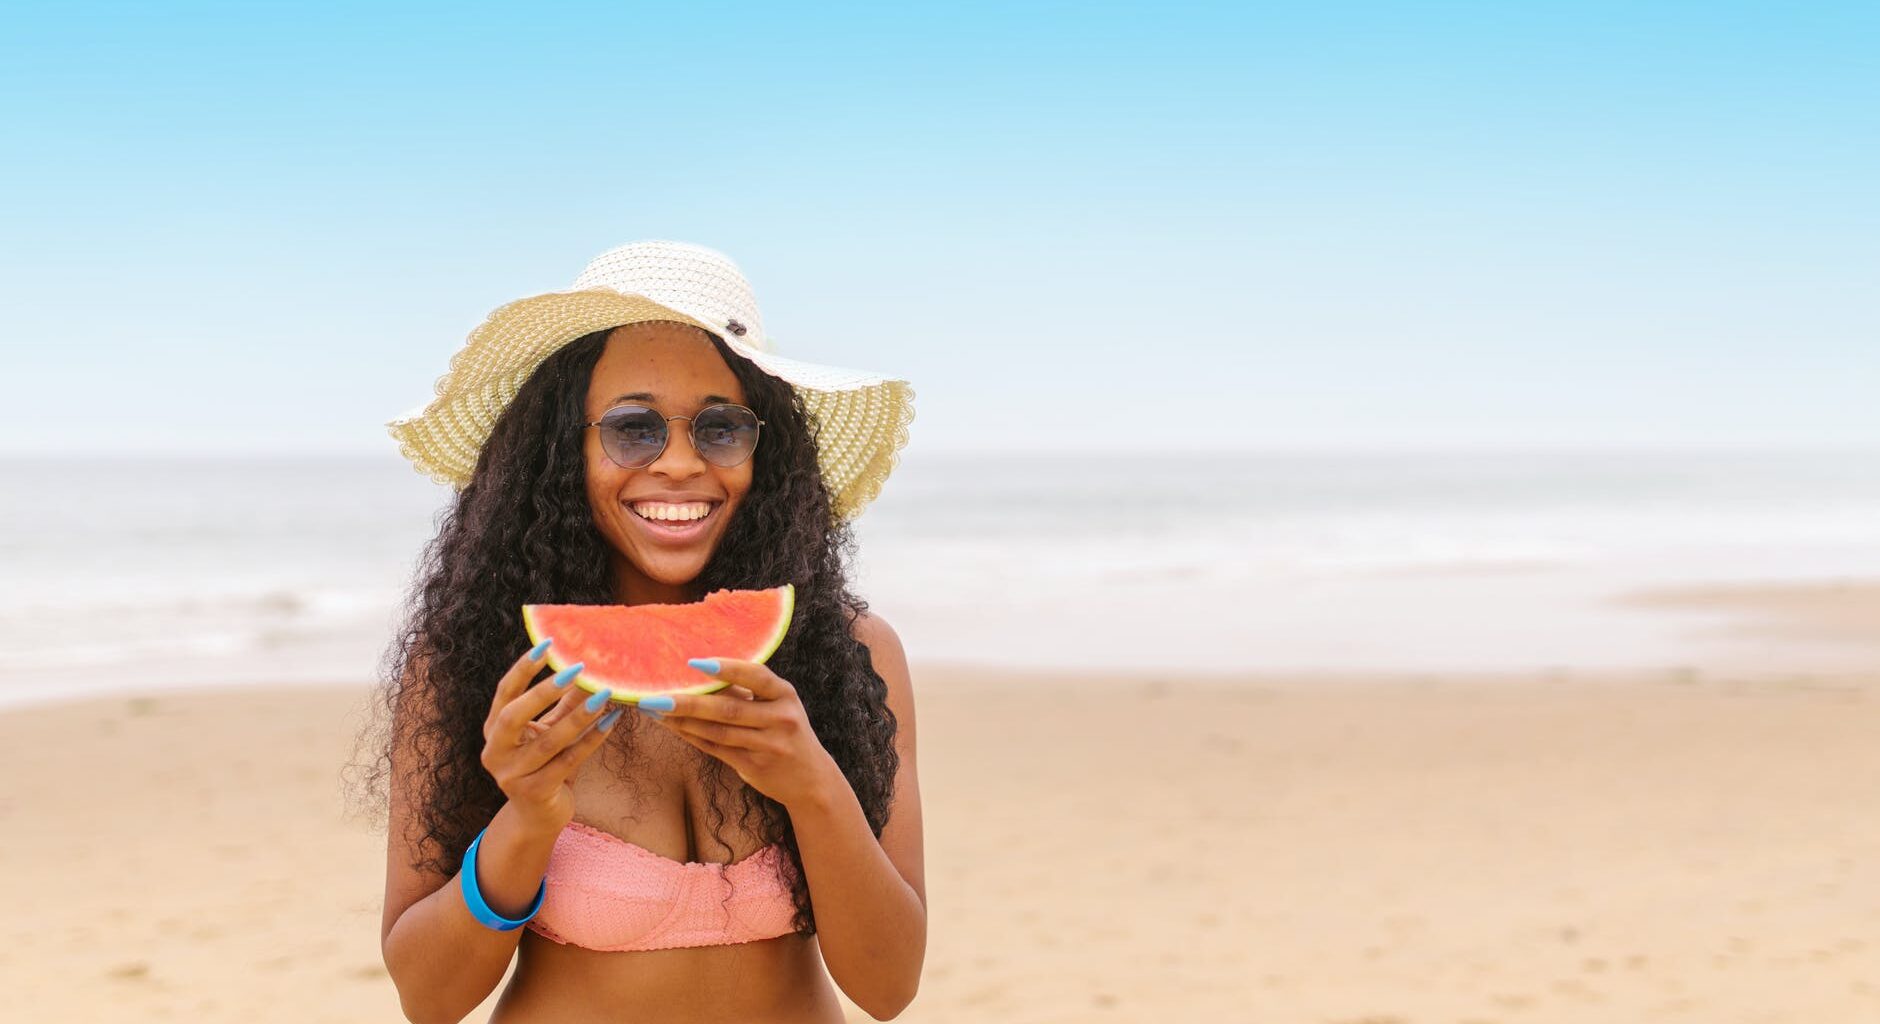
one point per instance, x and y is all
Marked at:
(675, 523)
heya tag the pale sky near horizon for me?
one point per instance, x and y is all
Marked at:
(1344, 225)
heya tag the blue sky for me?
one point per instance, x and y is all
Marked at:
(1329, 225)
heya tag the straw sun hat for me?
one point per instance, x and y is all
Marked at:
(861, 417)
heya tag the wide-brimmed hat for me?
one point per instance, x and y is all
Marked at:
(861, 417)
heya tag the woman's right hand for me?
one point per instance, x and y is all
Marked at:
(532, 760)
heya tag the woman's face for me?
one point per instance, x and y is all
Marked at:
(675, 369)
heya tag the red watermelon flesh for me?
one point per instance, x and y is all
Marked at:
(640, 650)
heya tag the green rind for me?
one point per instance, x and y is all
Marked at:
(783, 623)
(708, 686)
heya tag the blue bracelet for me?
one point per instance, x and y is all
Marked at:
(480, 909)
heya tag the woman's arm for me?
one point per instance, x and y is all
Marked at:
(444, 961)
(870, 897)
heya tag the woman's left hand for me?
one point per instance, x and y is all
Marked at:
(758, 727)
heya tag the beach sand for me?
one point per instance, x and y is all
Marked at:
(1676, 845)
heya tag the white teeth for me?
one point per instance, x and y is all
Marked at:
(672, 513)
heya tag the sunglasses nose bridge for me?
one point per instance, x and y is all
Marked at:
(690, 442)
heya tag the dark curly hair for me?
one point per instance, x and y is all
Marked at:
(521, 532)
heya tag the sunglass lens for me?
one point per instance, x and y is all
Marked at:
(633, 436)
(725, 434)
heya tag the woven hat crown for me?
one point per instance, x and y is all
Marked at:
(701, 282)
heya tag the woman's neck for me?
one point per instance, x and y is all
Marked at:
(637, 589)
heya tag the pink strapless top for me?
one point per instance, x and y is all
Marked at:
(606, 893)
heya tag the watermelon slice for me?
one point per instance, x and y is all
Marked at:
(641, 650)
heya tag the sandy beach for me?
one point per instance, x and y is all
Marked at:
(1381, 849)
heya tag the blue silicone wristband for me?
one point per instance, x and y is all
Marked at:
(473, 897)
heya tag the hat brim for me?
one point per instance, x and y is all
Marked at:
(861, 417)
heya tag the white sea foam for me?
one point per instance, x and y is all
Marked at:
(164, 572)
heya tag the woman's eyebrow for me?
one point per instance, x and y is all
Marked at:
(641, 396)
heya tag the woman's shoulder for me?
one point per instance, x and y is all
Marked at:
(886, 653)
(874, 631)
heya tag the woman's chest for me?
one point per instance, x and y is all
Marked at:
(656, 791)
(640, 867)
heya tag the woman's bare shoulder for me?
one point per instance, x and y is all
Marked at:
(874, 632)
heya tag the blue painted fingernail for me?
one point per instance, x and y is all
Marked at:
(594, 703)
(709, 666)
(536, 652)
(566, 675)
(607, 720)
(657, 702)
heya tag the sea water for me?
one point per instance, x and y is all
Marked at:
(161, 571)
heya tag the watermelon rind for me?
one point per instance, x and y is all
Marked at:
(704, 686)
(783, 625)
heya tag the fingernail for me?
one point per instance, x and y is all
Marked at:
(566, 675)
(648, 712)
(607, 720)
(657, 702)
(709, 666)
(536, 652)
(594, 703)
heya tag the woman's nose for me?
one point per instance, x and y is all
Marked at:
(681, 458)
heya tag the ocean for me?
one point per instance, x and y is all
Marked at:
(142, 573)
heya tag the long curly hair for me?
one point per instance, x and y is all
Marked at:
(521, 532)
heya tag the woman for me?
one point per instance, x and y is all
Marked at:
(723, 856)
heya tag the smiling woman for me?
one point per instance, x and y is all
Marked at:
(658, 876)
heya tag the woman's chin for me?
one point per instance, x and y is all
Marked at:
(664, 560)
(668, 570)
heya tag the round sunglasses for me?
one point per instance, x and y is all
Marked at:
(634, 436)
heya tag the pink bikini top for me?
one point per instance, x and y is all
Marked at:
(606, 893)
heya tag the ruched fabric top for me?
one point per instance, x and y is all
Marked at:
(606, 893)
